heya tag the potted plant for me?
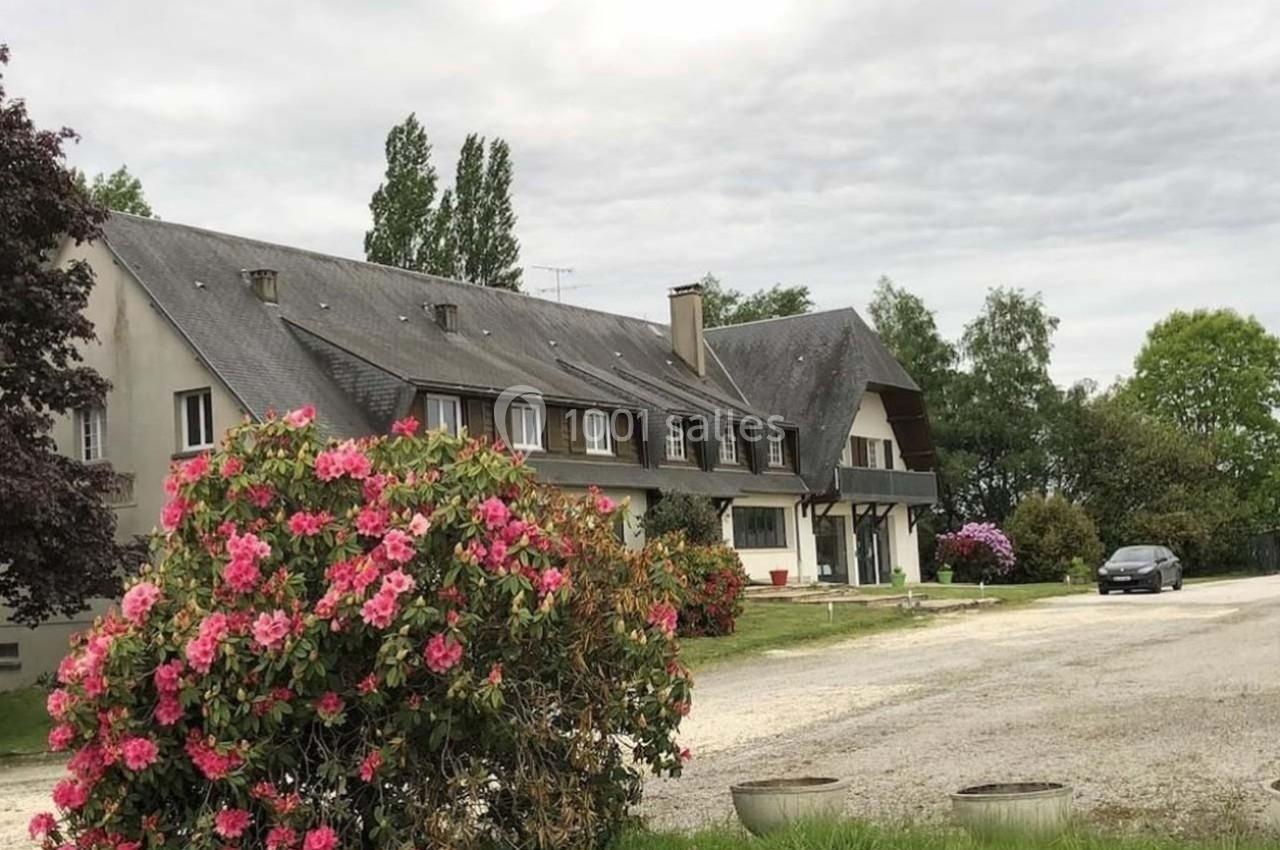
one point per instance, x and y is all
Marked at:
(778, 577)
(944, 574)
(899, 577)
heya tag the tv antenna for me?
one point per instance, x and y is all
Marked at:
(557, 271)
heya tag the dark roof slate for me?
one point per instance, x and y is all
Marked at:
(789, 367)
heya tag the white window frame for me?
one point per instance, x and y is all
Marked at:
(777, 457)
(873, 453)
(603, 446)
(206, 404)
(728, 442)
(442, 400)
(675, 440)
(91, 433)
(521, 415)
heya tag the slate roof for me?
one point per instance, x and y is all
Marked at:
(788, 366)
(357, 338)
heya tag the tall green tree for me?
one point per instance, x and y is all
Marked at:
(487, 251)
(57, 546)
(1003, 407)
(119, 191)
(910, 330)
(1216, 375)
(402, 205)
(721, 306)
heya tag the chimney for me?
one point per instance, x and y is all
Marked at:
(265, 284)
(447, 317)
(686, 326)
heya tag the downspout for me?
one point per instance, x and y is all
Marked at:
(795, 516)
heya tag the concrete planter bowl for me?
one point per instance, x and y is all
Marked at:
(1042, 807)
(1271, 813)
(770, 804)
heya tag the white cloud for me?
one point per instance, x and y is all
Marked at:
(1118, 158)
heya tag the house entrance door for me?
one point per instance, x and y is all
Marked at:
(829, 543)
(875, 563)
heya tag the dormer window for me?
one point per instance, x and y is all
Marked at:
(595, 429)
(728, 443)
(526, 428)
(777, 457)
(675, 440)
(444, 412)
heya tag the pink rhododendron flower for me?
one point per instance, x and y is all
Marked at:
(305, 524)
(370, 765)
(231, 823)
(380, 610)
(369, 684)
(59, 703)
(605, 505)
(442, 653)
(270, 630)
(493, 512)
(346, 459)
(168, 710)
(398, 546)
(61, 736)
(550, 581)
(194, 469)
(419, 525)
(172, 514)
(138, 601)
(70, 794)
(241, 576)
(302, 417)
(41, 825)
(231, 466)
(320, 838)
(495, 674)
(329, 705)
(213, 764)
(371, 521)
(406, 427)
(247, 547)
(281, 838)
(168, 676)
(663, 615)
(139, 753)
(398, 582)
(261, 495)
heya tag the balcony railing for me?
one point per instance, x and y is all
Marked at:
(887, 486)
(121, 492)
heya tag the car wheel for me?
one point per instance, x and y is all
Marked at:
(1127, 590)
(1158, 584)
(1104, 590)
(1177, 585)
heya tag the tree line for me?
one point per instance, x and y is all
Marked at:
(1186, 452)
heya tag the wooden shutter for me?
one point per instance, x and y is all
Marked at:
(888, 454)
(479, 413)
(859, 451)
(557, 430)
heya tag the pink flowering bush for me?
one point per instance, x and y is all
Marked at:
(714, 586)
(398, 642)
(979, 551)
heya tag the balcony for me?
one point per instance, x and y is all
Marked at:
(886, 486)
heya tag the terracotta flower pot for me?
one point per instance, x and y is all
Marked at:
(778, 577)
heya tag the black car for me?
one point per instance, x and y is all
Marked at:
(1140, 568)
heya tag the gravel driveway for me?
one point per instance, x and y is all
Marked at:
(1158, 709)
(1161, 710)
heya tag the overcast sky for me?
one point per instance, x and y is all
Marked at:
(1119, 157)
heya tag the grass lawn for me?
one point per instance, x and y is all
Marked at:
(24, 725)
(777, 625)
(852, 835)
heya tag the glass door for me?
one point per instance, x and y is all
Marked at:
(829, 542)
(875, 563)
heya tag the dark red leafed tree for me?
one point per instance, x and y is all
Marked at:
(57, 546)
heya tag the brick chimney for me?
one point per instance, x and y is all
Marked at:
(686, 326)
(265, 284)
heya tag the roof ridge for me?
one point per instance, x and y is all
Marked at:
(810, 314)
(425, 276)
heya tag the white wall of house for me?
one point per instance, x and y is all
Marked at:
(872, 421)
(147, 362)
(796, 557)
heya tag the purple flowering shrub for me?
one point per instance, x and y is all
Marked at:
(979, 551)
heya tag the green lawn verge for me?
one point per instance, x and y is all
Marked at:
(854, 835)
(1003, 592)
(777, 625)
(24, 724)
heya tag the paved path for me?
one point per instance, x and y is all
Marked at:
(1157, 708)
